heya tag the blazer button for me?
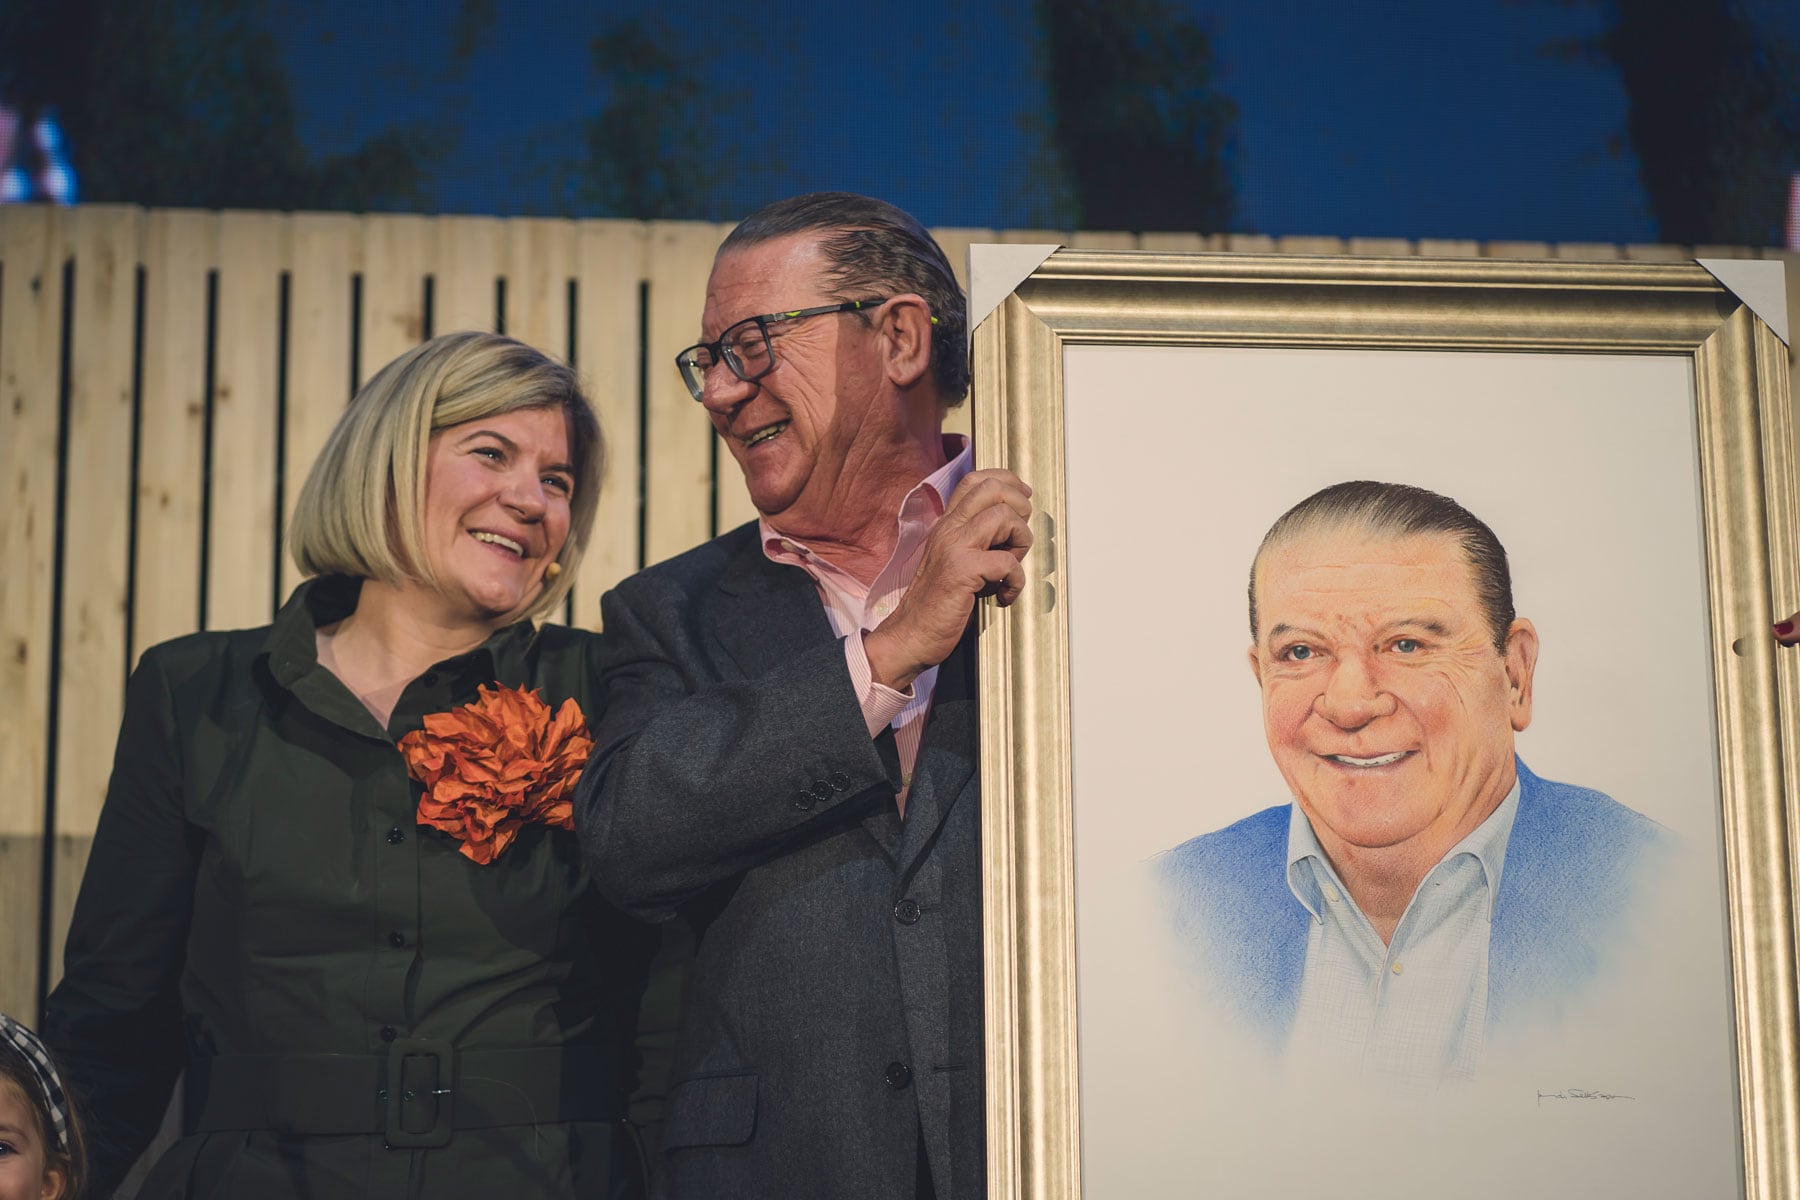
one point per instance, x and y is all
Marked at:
(899, 1075)
(839, 781)
(389, 1033)
(821, 790)
(907, 911)
(803, 800)
(397, 940)
(396, 835)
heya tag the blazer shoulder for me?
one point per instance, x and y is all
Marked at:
(1584, 825)
(694, 569)
(1224, 855)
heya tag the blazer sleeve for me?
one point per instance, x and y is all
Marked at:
(114, 1021)
(697, 777)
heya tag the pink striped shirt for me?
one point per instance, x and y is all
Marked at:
(855, 607)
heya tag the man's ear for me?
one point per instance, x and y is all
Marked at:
(905, 330)
(1521, 661)
(1256, 665)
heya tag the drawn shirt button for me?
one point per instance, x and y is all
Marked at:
(1331, 894)
(1397, 968)
(899, 1076)
(907, 911)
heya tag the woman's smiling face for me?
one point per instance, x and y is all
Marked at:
(497, 493)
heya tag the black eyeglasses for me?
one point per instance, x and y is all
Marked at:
(745, 347)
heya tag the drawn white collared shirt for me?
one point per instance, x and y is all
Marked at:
(1411, 1013)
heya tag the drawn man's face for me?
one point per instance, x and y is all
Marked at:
(1388, 709)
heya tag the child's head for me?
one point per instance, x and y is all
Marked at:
(40, 1144)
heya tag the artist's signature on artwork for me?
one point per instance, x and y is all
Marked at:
(1580, 1094)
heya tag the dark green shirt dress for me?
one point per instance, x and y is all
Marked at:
(361, 1011)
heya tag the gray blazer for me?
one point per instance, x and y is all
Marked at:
(830, 1042)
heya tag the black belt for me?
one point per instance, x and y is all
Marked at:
(416, 1095)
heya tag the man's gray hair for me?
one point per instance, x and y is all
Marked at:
(874, 247)
(1401, 510)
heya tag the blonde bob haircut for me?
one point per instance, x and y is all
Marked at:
(361, 511)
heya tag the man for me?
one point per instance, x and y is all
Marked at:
(1424, 887)
(787, 759)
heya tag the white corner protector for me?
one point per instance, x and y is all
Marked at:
(1759, 283)
(994, 271)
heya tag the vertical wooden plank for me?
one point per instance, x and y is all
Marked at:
(678, 494)
(1311, 245)
(956, 243)
(1587, 251)
(32, 249)
(318, 358)
(1383, 247)
(241, 549)
(95, 587)
(1448, 248)
(465, 268)
(180, 248)
(1247, 243)
(1516, 250)
(396, 253)
(540, 260)
(1188, 243)
(610, 265)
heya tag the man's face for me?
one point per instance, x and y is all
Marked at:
(1388, 710)
(813, 430)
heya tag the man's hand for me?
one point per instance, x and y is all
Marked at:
(974, 550)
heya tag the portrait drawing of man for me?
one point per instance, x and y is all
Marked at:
(1424, 891)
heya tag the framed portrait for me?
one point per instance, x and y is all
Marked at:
(1363, 871)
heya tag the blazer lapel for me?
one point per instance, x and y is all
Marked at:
(765, 613)
(947, 754)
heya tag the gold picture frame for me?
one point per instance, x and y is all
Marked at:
(1747, 500)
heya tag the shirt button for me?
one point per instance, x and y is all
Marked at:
(899, 1076)
(907, 911)
(397, 940)
(396, 835)
(1331, 895)
(1397, 968)
(389, 1033)
(803, 800)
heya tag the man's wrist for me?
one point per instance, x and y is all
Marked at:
(887, 665)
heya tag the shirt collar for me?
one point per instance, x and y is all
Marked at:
(292, 645)
(935, 488)
(1309, 871)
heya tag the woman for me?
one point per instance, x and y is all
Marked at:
(373, 992)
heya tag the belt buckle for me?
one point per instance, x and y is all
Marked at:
(438, 1088)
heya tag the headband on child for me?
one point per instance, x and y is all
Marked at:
(33, 1052)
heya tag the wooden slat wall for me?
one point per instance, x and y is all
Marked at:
(138, 349)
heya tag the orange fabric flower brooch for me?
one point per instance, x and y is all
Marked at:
(494, 765)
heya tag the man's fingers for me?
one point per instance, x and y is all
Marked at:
(983, 489)
(1005, 576)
